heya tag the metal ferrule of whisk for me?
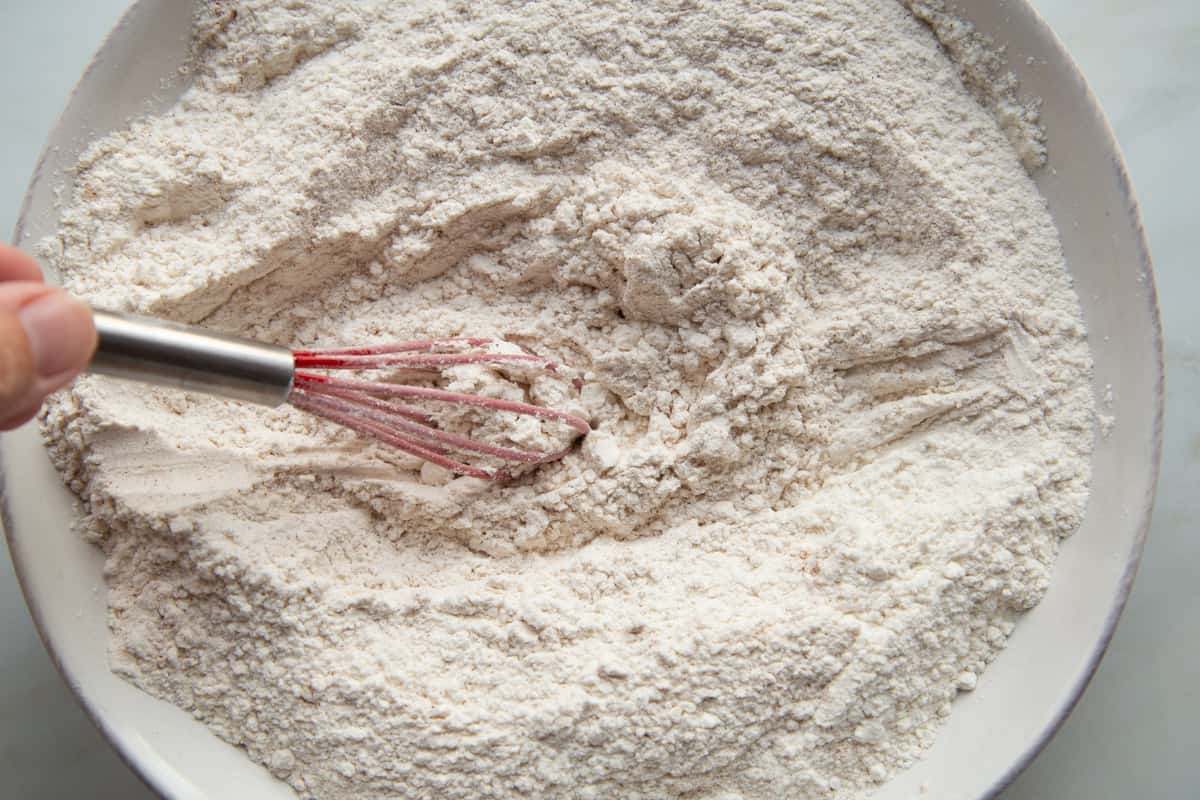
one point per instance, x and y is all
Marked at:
(190, 358)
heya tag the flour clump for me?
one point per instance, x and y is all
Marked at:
(836, 372)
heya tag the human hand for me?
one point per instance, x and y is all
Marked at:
(46, 337)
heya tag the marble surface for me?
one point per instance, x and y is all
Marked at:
(1136, 729)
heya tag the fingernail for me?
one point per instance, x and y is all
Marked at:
(60, 333)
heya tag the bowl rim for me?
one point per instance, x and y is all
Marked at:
(1145, 267)
(159, 784)
(112, 733)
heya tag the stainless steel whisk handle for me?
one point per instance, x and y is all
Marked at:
(189, 357)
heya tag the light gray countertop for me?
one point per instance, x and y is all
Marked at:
(1135, 732)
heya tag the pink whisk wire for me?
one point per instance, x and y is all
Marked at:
(360, 405)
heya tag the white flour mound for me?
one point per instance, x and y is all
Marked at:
(837, 375)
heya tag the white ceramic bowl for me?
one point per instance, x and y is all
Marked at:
(992, 734)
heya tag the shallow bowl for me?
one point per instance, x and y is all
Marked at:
(994, 731)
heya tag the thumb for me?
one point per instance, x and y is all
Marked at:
(45, 339)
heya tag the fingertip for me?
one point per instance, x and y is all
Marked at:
(83, 326)
(60, 332)
(20, 418)
(17, 265)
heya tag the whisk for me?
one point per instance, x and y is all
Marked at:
(195, 359)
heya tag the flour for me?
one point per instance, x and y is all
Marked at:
(837, 377)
